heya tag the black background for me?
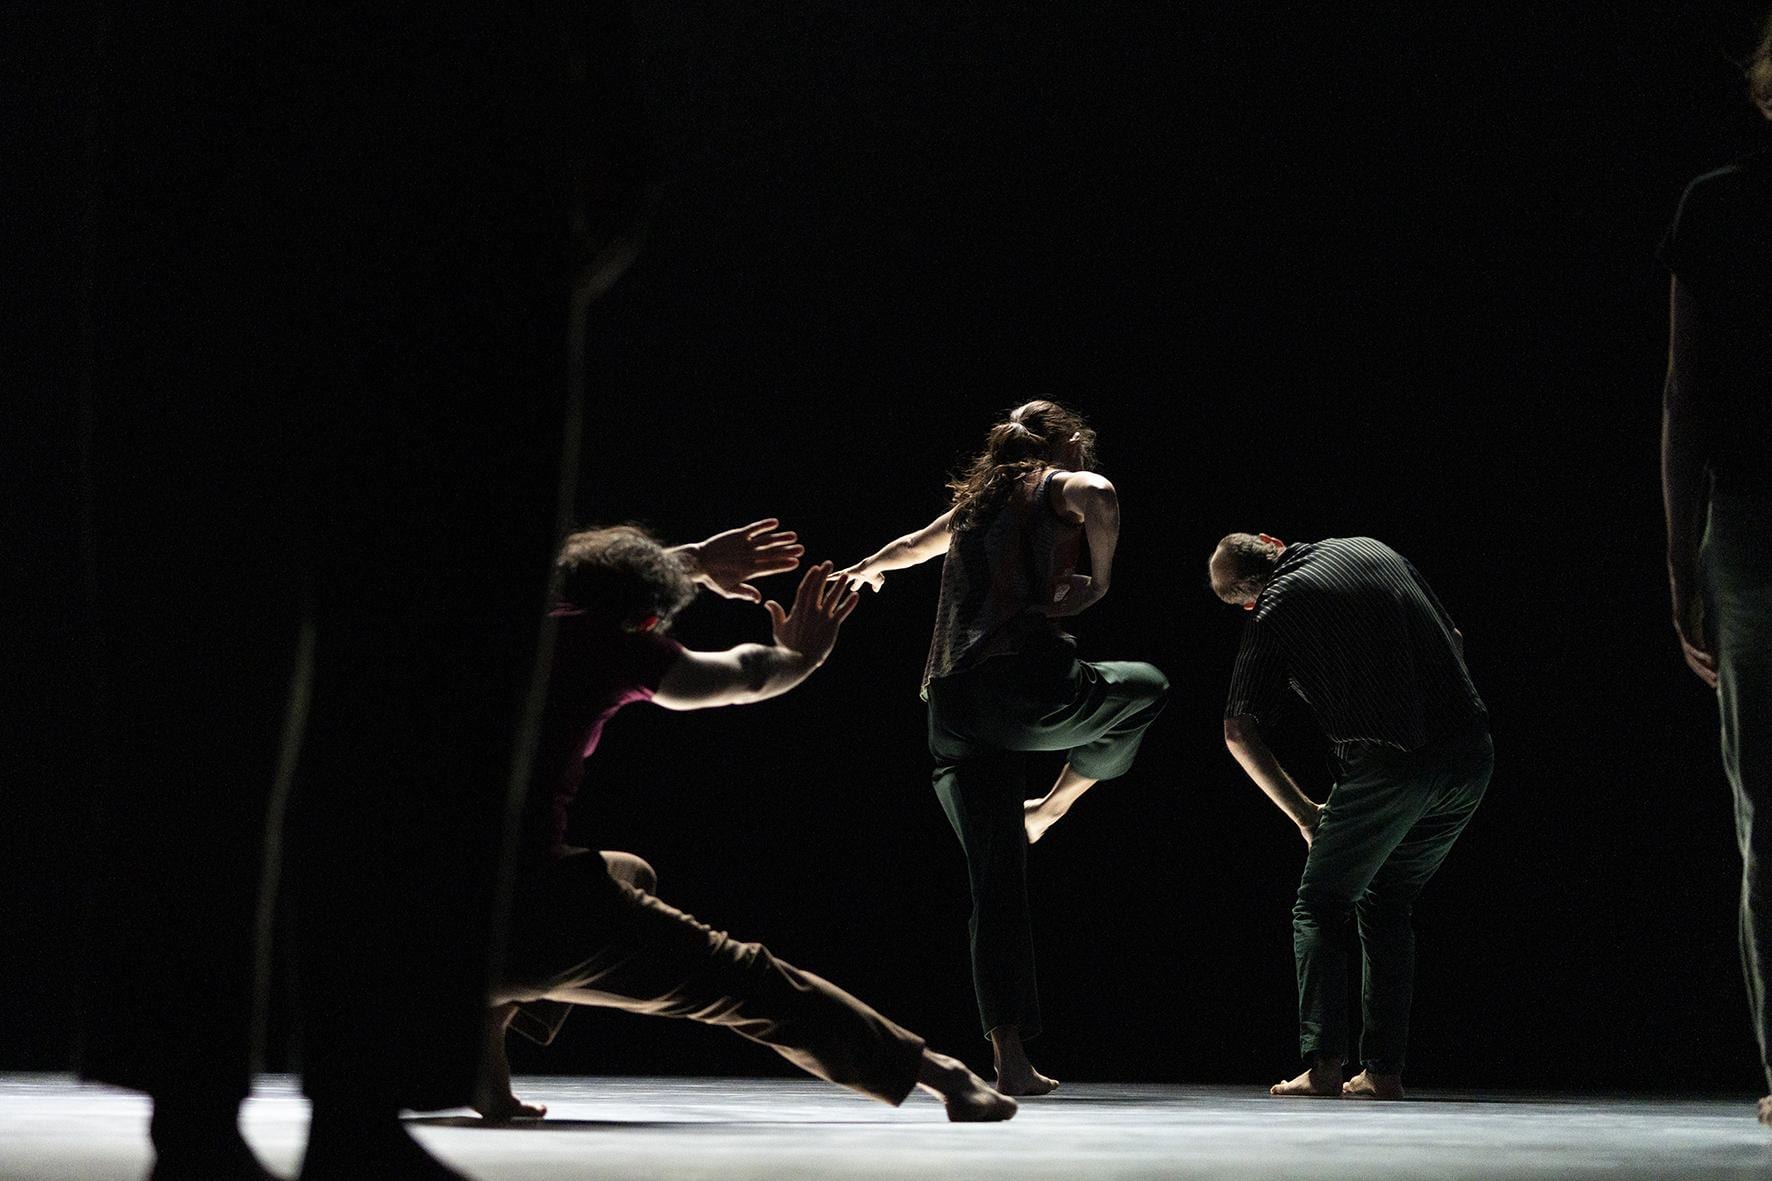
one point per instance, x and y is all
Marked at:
(1313, 270)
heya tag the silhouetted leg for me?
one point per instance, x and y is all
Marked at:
(1387, 936)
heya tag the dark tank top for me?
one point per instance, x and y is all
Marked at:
(997, 574)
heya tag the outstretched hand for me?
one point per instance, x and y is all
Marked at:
(1689, 623)
(859, 575)
(726, 562)
(820, 607)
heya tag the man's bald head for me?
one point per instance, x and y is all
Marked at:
(1242, 565)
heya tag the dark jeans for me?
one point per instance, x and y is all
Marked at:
(1389, 822)
(584, 933)
(982, 723)
(1738, 576)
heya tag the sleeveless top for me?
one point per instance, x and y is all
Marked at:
(996, 574)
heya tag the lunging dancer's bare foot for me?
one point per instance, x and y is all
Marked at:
(493, 1097)
(1766, 1110)
(1015, 1074)
(1367, 1085)
(969, 1099)
(1322, 1080)
(1039, 815)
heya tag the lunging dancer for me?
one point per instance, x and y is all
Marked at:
(1003, 679)
(585, 928)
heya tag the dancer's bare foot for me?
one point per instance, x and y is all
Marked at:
(1025, 1082)
(509, 1107)
(1037, 816)
(969, 1099)
(1015, 1074)
(1367, 1085)
(1322, 1080)
(493, 1097)
(1766, 1110)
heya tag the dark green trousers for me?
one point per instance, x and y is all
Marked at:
(1738, 580)
(1389, 822)
(982, 723)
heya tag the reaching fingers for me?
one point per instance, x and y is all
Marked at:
(749, 593)
(756, 529)
(846, 605)
(811, 588)
(777, 616)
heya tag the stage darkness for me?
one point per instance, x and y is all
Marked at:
(1379, 270)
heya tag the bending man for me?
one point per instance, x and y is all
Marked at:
(1355, 630)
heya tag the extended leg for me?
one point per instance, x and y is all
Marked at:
(633, 952)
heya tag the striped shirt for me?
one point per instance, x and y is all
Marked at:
(1353, 629)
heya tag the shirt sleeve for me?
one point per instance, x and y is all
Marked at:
(1428, 593)
(1260, 673)
(646, 660)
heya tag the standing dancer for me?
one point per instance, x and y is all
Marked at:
(1351, 627)
(1002, 679)
(1717, 487)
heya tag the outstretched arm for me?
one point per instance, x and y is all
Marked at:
(1091, 499)
(1243, 736)
(726, 562)
(757, 672)
(1684, 481)
(931, 541)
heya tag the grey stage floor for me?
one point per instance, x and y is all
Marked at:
(657, 1129)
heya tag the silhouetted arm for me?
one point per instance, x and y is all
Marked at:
(931, 541)
(756, 672)
(1243, 736)
(1092, 500)
(1685, 477)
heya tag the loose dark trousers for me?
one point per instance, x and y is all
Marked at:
(1738, 574)
(580, 935)
(1388, 824)
(982, 723)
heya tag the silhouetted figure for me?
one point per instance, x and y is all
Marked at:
(1717, 488)
(1002, 679)
(1351, 627)
(585, 928)
(339, 260)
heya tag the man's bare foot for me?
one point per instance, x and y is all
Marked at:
(1766, 1110)
(1367, 1085)
(1037, 816)
(969, 1100)
(1322, 1080)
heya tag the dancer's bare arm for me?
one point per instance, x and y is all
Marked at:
(931, 541)
(1092, 500)
(1243, 736)
(726, 562)
(1685, 480)
(757, 672)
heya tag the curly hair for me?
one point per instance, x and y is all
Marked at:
(1035, 435)
(1241, 567)
(621, 573)
(1759, 71)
